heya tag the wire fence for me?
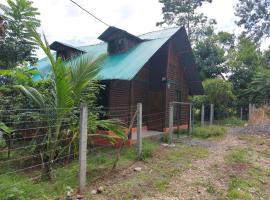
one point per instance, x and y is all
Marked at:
(41, 145)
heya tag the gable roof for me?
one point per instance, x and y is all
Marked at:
(122, 66)
(105, 36)
(125, 66)
(59, 45)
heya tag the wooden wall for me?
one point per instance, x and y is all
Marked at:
(150, 87)
(177, 81)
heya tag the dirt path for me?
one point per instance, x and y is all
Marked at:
(235, 167)
(208, 178)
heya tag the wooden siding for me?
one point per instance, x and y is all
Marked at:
(177, 83)
(119, 43)
(119, 100)
(155, 87)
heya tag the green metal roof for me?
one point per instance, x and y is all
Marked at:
(122, 66)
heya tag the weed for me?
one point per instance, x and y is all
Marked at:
(237, 188)
(161, 184)
(238, 156)
(209, 131)
(233, 121)
(164, 138)
(210, 188)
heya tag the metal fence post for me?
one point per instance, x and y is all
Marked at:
(170, 122)
(83, 146)
(202, 115)
(211, 114)
(139, 130)
(249, 111)
(190, 119)
(241, 113)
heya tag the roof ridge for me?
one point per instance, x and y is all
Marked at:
(92, 44)
(159, 30)
(136, 35)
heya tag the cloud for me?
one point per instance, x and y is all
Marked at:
(64, 21)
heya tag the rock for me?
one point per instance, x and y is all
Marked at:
(93, 191)
(79, 196)
(164, 144)
(172, 145)
(100, 190)
(137, 169)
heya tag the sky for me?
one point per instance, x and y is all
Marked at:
(63, 21)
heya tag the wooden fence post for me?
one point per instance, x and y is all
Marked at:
(139, 130)
(211, 114)
(202, 115)
(170, 122)
(83, 146)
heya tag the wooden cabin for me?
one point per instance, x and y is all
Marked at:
(154, 69)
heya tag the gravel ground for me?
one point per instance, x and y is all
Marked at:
(257, 129)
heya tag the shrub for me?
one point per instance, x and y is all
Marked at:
(148, 149)
(209, 131)
(164, 138)
(233, 121)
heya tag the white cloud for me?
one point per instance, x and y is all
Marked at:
(63, 21)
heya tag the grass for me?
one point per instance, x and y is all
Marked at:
(237, 188)
(20, 186)
(209, 132)
(156, 173)
(232, 121)
(238, 156)
(247, 179)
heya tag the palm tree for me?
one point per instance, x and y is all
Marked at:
(69, 81)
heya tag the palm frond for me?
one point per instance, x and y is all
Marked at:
(83, 70)
(34, 95)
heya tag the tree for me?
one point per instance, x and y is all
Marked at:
(254, 17)
(244, 60)
(218, 92)
(259, 88)
(184, 13)
(266, 58)
(69, 82)
(211, 53)
(3, 25)
(18, 45)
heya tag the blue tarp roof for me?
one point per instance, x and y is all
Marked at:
(122, 66)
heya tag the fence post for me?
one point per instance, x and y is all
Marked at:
(190, 119)
(249, 111)
(170, 122)
(139, 130)
(202, 115)
(83, 146)
(211, 114)
(241, 113)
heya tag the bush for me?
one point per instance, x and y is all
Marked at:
(233, 121)
(148, 149)
(164, 138)
(209, 131)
